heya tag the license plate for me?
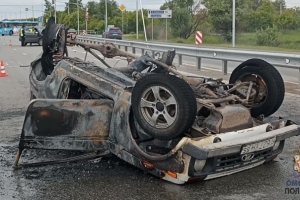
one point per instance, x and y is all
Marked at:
(115, 34)
(249, 148)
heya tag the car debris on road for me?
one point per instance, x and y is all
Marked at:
(176, 127)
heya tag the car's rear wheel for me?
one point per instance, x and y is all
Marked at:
(163, 105)
(40, 42)
(269, 85)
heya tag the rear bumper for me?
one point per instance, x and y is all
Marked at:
(114, 37)
(225, 158)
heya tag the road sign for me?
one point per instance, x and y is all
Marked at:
(198, 37)
(26, 9)
(160, 14)
(122, 7)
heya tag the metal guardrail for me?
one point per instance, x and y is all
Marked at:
(287, 60)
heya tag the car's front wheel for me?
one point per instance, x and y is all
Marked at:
(163, 105)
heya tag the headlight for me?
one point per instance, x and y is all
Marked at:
(199, 164)
(276, 145)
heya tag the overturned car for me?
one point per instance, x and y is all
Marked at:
(176, 127)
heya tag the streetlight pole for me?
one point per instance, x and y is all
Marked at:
(233, 24)
(105, 15)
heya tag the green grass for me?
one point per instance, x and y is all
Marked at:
(286, 41)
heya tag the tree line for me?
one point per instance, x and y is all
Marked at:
(263, 17)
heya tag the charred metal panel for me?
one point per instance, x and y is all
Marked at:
(228, 118)
(61, 124)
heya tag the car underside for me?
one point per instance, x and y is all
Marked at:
(179, 128)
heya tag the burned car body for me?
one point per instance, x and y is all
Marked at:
(175, 127)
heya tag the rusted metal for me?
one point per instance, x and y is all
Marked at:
(228, 118)
(88, 156)
(67, 124)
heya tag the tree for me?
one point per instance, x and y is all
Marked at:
(264, 16)
(71, 6)
(280, 5)
(220, 13)
(185, 18)
(112, 9)
(287, 20)
(49, 8)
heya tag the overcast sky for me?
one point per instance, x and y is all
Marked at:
(15, 8)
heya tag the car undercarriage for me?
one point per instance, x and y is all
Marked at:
(177, 127)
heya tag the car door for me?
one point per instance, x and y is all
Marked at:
(64, 121)
(29, 36)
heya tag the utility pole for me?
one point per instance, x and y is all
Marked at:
(32, 14)
(105, 15)
(68, 8)
(233, 24)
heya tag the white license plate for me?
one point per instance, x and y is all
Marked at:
(249, 148)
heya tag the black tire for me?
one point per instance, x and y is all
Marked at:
(11, 33)
(40, 42)
(273, 81)
(184, 98)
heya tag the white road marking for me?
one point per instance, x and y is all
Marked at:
(24, 54)
(15, 49)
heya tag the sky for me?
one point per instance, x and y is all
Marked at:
(16, 8)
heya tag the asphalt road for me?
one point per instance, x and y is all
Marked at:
(112, 178)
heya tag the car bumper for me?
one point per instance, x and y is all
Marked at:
(225, 158)
(114, 37)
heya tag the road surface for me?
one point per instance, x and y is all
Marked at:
(111, 178)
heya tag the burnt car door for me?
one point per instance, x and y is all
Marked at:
(66, 124)
(70, 124)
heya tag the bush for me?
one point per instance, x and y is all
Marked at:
(266, 37)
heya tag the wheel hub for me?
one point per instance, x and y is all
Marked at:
(160, 106)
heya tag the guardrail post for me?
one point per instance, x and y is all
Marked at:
(126, 48)
(299, 78)
(180, 59)
(119, 46)
(224, 67)
(133, 49)
(198, 63)
(143, 51)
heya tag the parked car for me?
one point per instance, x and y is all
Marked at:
(113, 33)
(36, 36)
